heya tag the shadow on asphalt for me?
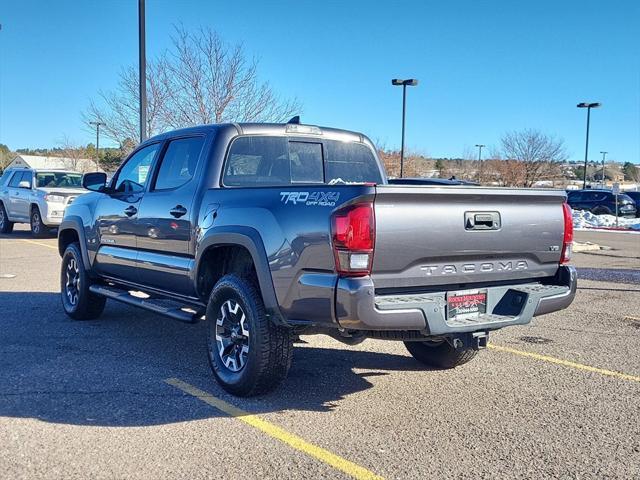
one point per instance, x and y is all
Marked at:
(111, 371)
(26, 234)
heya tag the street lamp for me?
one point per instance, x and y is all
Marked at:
(588, 106)
(480, 160)
(98, 124)
(604, 154)
(411, 82)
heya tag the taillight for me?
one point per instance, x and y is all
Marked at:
(353, 230)
(567, 240)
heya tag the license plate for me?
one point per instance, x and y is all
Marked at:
(466, 304)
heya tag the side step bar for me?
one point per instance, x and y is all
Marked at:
(124, 297)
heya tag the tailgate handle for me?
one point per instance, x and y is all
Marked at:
(482, 220)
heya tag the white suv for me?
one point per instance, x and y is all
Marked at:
(38, 197)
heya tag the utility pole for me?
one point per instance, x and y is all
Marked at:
(142, 71)
(97, 124)
(604, 154)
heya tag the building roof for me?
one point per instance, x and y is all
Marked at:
(52, 163)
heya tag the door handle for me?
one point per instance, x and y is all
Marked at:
(130, 211)
(178, 211)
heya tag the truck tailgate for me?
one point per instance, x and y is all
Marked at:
(453, 236)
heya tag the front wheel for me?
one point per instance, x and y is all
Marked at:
(38, 228)
(440, 354)
(248, 354)
(77, 300)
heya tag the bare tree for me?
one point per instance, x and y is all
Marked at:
(538, 153)
(74, 155)
(200, 79)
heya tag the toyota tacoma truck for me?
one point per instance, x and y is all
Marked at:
(271, 231)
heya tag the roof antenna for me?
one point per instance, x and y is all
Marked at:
(295, 120)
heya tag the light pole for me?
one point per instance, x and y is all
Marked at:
(142, 71)
(97, 124)
(480, 160)
(411, 82)
(604, 154)
(588, 106)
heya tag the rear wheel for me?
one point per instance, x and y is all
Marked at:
(601, 211)
(248, 354)
(6, 226)
(77, 300)
(38, 228)
(440, 354)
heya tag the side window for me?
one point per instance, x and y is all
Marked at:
(575, 196)
(132, 178)
(5, 176)
(257, 161)
(16, 179)
(306, 162)
(179, 163)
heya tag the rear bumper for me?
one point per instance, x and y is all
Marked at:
(358, 308)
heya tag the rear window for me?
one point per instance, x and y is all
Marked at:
(274, 161)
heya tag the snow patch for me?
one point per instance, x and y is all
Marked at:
(584, 219)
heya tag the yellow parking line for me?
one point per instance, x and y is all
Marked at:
(566, 363)
(55, 247)
(319, 453)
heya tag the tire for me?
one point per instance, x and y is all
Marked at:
(440, 355)
(38, 228)
(248, 354)
(6, 226)
(78, 302)
(601, 211)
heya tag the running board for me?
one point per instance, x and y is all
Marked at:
(124, 297)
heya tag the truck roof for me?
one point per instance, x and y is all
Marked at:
(267, 129)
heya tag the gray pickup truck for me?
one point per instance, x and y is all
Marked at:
(270, 231)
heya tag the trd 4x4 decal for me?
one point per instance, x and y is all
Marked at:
(310, 199)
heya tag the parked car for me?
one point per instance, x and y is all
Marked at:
(37, 197)
(269, 231)
(600, 202)
(635, 196)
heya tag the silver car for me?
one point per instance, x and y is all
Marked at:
(38, 197)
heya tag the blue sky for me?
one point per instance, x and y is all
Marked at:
(484, 67)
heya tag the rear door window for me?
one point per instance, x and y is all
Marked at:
(179, 163)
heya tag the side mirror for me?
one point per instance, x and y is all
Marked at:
(25, 184)
(94, 181)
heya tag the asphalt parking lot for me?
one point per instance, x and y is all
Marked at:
(130, 395)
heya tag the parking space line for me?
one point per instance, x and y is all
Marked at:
(55, 247)
(566, 363)
(319, 453)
